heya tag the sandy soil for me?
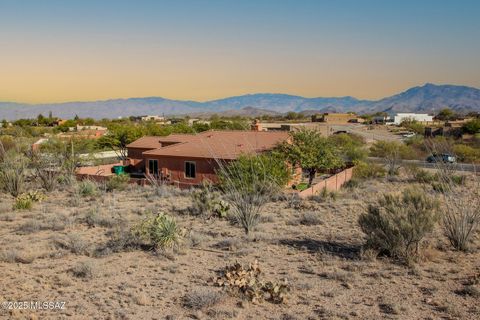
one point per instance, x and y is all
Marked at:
(56, 252)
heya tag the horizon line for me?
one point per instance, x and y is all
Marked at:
(231, 96)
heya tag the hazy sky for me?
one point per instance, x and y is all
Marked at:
(53, 51)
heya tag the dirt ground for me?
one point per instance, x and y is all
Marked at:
(59, 251)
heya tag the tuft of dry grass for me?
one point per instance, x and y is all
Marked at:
(202, 298)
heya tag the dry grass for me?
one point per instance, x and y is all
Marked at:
(103, 273)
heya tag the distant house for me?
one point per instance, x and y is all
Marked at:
(420, 117)
(152, 118)
(189, 159)
(336, 118)
(323, 128)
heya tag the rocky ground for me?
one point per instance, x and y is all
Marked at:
(62, 250)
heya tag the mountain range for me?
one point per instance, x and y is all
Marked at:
(429, 98)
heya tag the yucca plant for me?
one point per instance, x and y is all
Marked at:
(160, 231)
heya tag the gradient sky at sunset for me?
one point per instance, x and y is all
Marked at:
(52, 51)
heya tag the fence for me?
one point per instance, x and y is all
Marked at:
(332, 183)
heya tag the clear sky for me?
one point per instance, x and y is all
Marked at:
(55, 50)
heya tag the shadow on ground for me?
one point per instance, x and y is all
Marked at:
(342, 250)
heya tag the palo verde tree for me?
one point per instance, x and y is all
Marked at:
(312, 152)
(118, 137)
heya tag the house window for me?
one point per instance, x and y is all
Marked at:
(190, 169)
(153, 167)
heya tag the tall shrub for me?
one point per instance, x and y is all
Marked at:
(396, 224)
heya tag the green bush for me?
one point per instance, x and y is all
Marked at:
(13, 172)
(396, 224)
(87, 188)
(466, 153)
(22, 204)
(417, 174)
(117, 182)
(368, 170)
(25, 200)
(159, 231)
(208, 202)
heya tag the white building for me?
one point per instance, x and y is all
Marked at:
(420, 117)
(152, 118)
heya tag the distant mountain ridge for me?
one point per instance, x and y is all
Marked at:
(429, 98)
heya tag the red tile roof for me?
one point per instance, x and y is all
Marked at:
(221, 144)
(149, 142)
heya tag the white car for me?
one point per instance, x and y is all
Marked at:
(409, 135)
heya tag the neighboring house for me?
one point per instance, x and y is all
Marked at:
(336, 118)
(420, 117)
(189, 159)
(152, 118)
(322, 128)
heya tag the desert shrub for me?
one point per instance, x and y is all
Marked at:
(73, 243)
(392, 153)
(22, 204)
(368, 170)
(87, 188)
(249, 183)
(461, 215)
(117, 182)
(396, 224)
(413, 126)
(417, 174)
(159, 186)
(159, 231)
(201, 298)
(47, 168)
(208, 202)
(25, 200)
(466, 153)
(310, 219)
(95, 218)
(352, 184)
(83, 269)
(13, 172)
(351, 147)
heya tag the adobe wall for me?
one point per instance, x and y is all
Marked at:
(333, 183)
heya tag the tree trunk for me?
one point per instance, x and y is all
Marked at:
(311, 176)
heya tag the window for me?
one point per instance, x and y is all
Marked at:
(153, 167)
(190, 170)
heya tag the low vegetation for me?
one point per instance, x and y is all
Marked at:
(397, 224)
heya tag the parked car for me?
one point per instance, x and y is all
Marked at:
(409, 135)
(444, 157)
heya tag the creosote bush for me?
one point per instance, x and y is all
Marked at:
(87, 188)
(396, 224)
(117, 182)
(159, 231)
(368, 170)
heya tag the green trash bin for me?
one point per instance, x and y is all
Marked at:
(119, 170)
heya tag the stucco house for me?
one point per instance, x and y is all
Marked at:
(189, 159)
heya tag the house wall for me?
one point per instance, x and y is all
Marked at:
(420, 117)
(332, 183)
(174, 168)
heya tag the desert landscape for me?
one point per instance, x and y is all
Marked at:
(74, 248)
